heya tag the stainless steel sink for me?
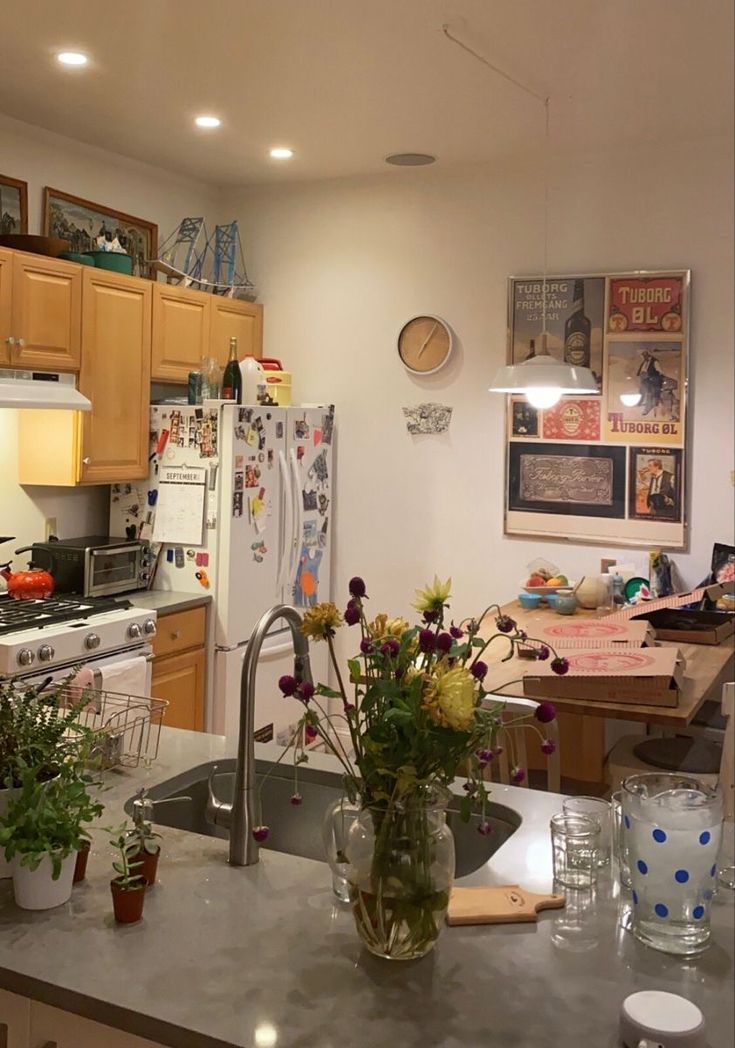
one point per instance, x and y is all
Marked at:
(296, 830)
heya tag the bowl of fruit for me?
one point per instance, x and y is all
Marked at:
(545, 581)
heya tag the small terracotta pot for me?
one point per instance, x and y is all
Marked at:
(80, 866)
(127, 902)
(149, 867)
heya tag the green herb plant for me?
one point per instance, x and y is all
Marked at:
(127, 848)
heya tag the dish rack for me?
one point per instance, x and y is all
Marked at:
(128, 727)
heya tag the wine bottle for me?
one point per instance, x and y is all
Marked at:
(577, 331)
(232, 379)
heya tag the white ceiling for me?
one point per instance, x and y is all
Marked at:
(346, 82)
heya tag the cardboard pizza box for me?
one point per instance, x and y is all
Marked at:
(690, 626)
(631, 676)
(594, 633)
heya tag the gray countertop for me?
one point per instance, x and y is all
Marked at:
(241, 958)
(167, 601)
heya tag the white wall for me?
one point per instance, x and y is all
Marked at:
(342, 265)
(41, 158)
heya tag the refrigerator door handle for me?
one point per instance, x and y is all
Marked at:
(298, 525)
(285, 552)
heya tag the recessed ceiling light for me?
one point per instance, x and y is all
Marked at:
(281, 153)
(207, 121)
(72, 58)
(410, 159)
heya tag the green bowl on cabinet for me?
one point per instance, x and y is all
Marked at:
(117, 261)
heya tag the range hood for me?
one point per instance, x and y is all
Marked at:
(41, 389)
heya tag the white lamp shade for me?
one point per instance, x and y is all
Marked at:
(544, 372)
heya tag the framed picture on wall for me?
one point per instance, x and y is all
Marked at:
(13, 206)
(609, 468)
(84, 224)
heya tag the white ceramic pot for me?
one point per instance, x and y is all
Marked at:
(36, 889)
(593, 591)
(6, 795)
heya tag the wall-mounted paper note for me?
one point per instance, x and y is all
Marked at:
(180, 506)
(428, 418)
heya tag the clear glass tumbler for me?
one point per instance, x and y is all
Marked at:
(575, 840)
(595, 808)
(619, 844)
(673, 829)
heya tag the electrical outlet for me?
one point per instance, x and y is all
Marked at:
(51, 527)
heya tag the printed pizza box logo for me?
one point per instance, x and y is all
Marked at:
(607, 662)
(586, 629)
(645, 304)
(573, 420)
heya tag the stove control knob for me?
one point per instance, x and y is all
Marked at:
(149, 627)
(91, 641)
(45, 653)
(134, 631)
(25, 657)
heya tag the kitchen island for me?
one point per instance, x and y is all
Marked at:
(262, 957)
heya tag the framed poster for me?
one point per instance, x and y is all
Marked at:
(82, 223)
(609, 468)
(13, 205)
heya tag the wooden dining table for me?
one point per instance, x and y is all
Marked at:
(582, 721)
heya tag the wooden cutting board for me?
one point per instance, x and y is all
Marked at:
(505, 904)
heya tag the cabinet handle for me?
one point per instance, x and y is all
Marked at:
(10, 341)
(20, 342)
(175, 634)
(86, 461)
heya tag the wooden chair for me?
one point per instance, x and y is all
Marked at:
(499, 770)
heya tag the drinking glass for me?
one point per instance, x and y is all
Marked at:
(575, 927)
(673, 829)
(619, 845)
(595, 808)
(574, 842)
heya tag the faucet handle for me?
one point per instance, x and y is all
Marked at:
(218, 813)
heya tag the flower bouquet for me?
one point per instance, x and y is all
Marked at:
(412, 714)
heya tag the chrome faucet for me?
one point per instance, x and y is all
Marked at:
(242, 816)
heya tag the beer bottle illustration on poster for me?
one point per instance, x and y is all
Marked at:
(578, 331)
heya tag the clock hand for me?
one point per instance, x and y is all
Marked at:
(428, 339)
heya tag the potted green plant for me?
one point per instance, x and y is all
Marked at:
(143, 836)
(128, 887)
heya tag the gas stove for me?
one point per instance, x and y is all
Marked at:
(41, 635)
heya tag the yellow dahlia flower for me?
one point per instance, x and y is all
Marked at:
(450, 698)
(431, 598)
(383, 627)
(321, 621)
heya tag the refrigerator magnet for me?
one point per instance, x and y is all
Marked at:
(270, 458)
(179, 557)
(279, 431)
(237, 504)
(202, 578)
(239, 480)
(300, 450)
(317, 436)
(301, 429)
(169, 556)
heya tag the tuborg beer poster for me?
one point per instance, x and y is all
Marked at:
(606, 468)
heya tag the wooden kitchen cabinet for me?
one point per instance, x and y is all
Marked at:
(54, 1028)
(181, 320)
(234, 317)
(179, 667)
(6, 279)
(15, 1019)
(109, 443)
(46, 313)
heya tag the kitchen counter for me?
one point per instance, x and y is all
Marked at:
(243, 958)
(167, 601)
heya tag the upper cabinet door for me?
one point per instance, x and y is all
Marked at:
(115, 375)
(244, 320)
(46, 312)
(6, 276)
(180, 332)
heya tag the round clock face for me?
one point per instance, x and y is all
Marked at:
(425, 344)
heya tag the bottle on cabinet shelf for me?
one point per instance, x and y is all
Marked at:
(577, 331)
(232, 378)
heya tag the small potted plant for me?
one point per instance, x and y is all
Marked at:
(128, 887)
(143, 836)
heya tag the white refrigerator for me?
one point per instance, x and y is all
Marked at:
(262, 481)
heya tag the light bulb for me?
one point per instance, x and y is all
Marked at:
(630, 400)
(543, 396)
(281, 153)
(72, 58)
(207, 121)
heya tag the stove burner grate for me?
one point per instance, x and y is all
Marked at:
(18, 615)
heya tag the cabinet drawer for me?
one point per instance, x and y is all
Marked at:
(180, 631)
(179, 679)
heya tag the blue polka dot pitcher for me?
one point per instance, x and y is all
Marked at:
(672, 826)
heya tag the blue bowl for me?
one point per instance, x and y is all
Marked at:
(529, 601)
(551, 599)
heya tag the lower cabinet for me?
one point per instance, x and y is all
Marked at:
(179, 667)
(15, 1020)
(52, 1028)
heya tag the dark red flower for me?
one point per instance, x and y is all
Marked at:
(545, 712)
(367, 647)
(430, 616)
(560, 665)
(427, 641)
(356, 587)
(391, 647)
(456, 632)
(485, 828)
(517, 776)
(479, 670)
(260, 834)
(296, 799)
(288, 684)
(505, 623)
(548, 746)
(310, 732)
(543, 653)
(306, 690)
(352, 614)
(348, 707)
(444, 642)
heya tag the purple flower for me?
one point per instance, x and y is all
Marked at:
(548, 746)
(469, 787)
(366, 647)
(288, 684)
(543, 653)
(352, 614)
(306, 690)
(427, 641)
(517, 776)
(560, 665)
(522, 635)
(348, 707)
(485, 828)
(485, 756)
(260, 834)
(430, 616)
(391, 647)
(478, 670)
(456, 632)
(444, 642)
(356, 587)
(545, 712)
(310, 732)
(296, 799)
(505, 623)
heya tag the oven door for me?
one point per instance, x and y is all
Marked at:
(112, 569)
(58, 673)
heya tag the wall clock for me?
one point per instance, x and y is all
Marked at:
(425, 344)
